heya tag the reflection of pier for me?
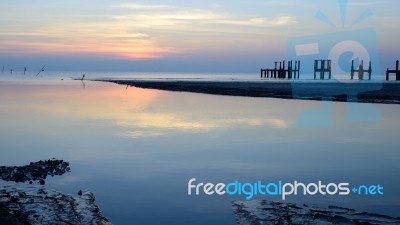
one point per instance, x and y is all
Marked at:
(361, 70)
(395, 71)
(322, 67)
(281, 72)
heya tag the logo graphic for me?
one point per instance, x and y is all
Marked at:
(260, 188)
(338, 50)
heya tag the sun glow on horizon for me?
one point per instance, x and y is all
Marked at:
(95, 38)
(171, 35)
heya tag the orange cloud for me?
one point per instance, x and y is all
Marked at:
(105, 37)
(129, 49)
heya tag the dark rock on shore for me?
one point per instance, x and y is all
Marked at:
(268, 213)
(35, 205)
(35, 171)
(32, 205)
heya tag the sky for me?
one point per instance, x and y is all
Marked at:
(178, 36)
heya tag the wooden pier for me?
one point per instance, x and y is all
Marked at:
(282, 73)
(322, 67)
(361, 70)
(395, 71)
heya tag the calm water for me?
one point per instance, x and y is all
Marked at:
(136, 149)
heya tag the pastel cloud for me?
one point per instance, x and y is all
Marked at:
(141, 6)
(129, 30)
(146, 15)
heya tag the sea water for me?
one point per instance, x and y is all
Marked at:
(136, 149)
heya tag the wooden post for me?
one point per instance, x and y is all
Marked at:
(387, 74)
(397, 70)
(330, 68)
(322, 76)
(298, 69)
(295, 69)
(370, 70)
(352, 69)
(315, 69)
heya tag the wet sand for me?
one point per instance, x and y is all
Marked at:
(269, 213)
(365, 92)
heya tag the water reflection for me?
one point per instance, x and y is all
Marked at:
(136, 148)
(155, 112)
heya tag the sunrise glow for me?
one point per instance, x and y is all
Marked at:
(164, 33)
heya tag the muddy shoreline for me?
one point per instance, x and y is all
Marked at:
(363, 92)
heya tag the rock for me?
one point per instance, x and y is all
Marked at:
(35, 171)
(34, 205)
(277, 213)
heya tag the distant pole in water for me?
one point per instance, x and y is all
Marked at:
(11, 71)
(2, 70)
(24, 70)
(83, 82)
(41, 70)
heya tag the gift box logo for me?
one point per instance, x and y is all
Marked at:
(341, 48)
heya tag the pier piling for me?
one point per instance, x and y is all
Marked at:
(322, 67)
(395, 71)
(361, 70)
(282, 72)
